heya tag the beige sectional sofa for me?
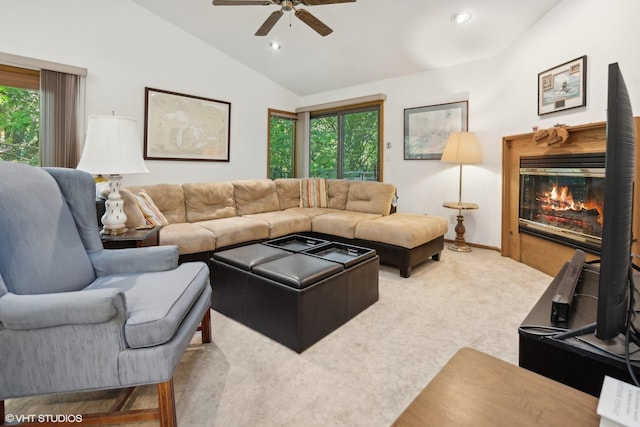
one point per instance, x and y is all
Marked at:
(205, 217)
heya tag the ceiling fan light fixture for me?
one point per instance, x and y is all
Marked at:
(287, 5)
(275, 46)
(461, 17)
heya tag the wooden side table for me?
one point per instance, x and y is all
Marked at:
(479, 390)
(133, 238)
(459, 245)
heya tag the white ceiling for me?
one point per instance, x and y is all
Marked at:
(372, 39)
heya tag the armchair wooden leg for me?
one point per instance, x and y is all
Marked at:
(167, 404)
(165, 413)
(205, 327)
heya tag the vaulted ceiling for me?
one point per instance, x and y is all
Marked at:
(371, 40)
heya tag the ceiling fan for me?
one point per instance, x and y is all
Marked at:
(286, 6)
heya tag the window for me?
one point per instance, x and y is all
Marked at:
(53, 120)
(20, 115)
(282, 142)
(346, 143)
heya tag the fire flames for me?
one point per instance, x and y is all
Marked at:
(561, 199)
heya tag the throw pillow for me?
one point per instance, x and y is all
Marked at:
(149, 209)
(135, 217)
(313, 193)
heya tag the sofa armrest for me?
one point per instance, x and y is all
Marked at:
(65, 308)
(135, 260)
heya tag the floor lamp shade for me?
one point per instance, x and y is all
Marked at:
(462, 148)
(112, 148)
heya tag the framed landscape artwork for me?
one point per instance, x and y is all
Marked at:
(563, 87)
(426, 129)
(185, 127)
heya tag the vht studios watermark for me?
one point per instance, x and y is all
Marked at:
(42, 418)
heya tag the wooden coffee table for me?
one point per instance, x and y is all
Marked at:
(475, 389)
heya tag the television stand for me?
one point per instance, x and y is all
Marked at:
(580, 362)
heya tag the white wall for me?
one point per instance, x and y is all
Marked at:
(125, 49)
(502, 94)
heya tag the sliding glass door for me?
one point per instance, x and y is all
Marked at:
(346, 144)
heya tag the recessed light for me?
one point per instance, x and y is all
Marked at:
(461, 17)
(275, 45)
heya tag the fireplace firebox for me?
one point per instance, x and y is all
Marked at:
(561, 199)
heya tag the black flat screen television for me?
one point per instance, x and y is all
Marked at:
(614, 279)
(617, 231)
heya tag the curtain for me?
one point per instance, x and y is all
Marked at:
(62, 114)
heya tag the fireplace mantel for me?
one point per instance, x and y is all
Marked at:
(545, 255)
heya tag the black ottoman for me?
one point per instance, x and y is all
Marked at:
(229, 275)
(297, 300)
(361, 265)
(294, 298)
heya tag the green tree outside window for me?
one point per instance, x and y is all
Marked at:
(19, 125)
(282, 139)
(345, 144)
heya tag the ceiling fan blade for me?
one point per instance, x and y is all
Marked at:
(321, 2)
(269, 23)
(317, 25)
(242, 2)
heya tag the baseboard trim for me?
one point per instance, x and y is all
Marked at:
(478, 245)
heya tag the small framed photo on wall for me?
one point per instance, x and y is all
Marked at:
(563, 87)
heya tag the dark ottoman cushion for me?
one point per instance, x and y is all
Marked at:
(297, 270)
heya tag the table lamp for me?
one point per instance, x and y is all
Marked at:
(112, 149)
(462, 148)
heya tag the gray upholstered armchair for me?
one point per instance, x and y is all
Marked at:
(77, 317)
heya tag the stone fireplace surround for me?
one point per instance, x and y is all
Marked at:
(542, 254)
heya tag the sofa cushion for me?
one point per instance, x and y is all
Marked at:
(149, 210)
(189, 238)
(313, 193)
(401, 229)
(255, 196)
(370, 197)
(337, 192)
(234, 230)
(156, 302)
(341, 224)
(209, 200)
(135, 217)
(312, 212)
(282, 223)
(169, 198)
(288, 191)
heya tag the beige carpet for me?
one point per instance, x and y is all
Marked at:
(363, 374)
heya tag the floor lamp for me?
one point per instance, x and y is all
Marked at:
(112, 149)
(462, 148)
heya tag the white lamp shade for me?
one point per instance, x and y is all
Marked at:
(462, 148)
(112, 147)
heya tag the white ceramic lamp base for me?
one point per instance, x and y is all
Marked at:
(114, 218)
